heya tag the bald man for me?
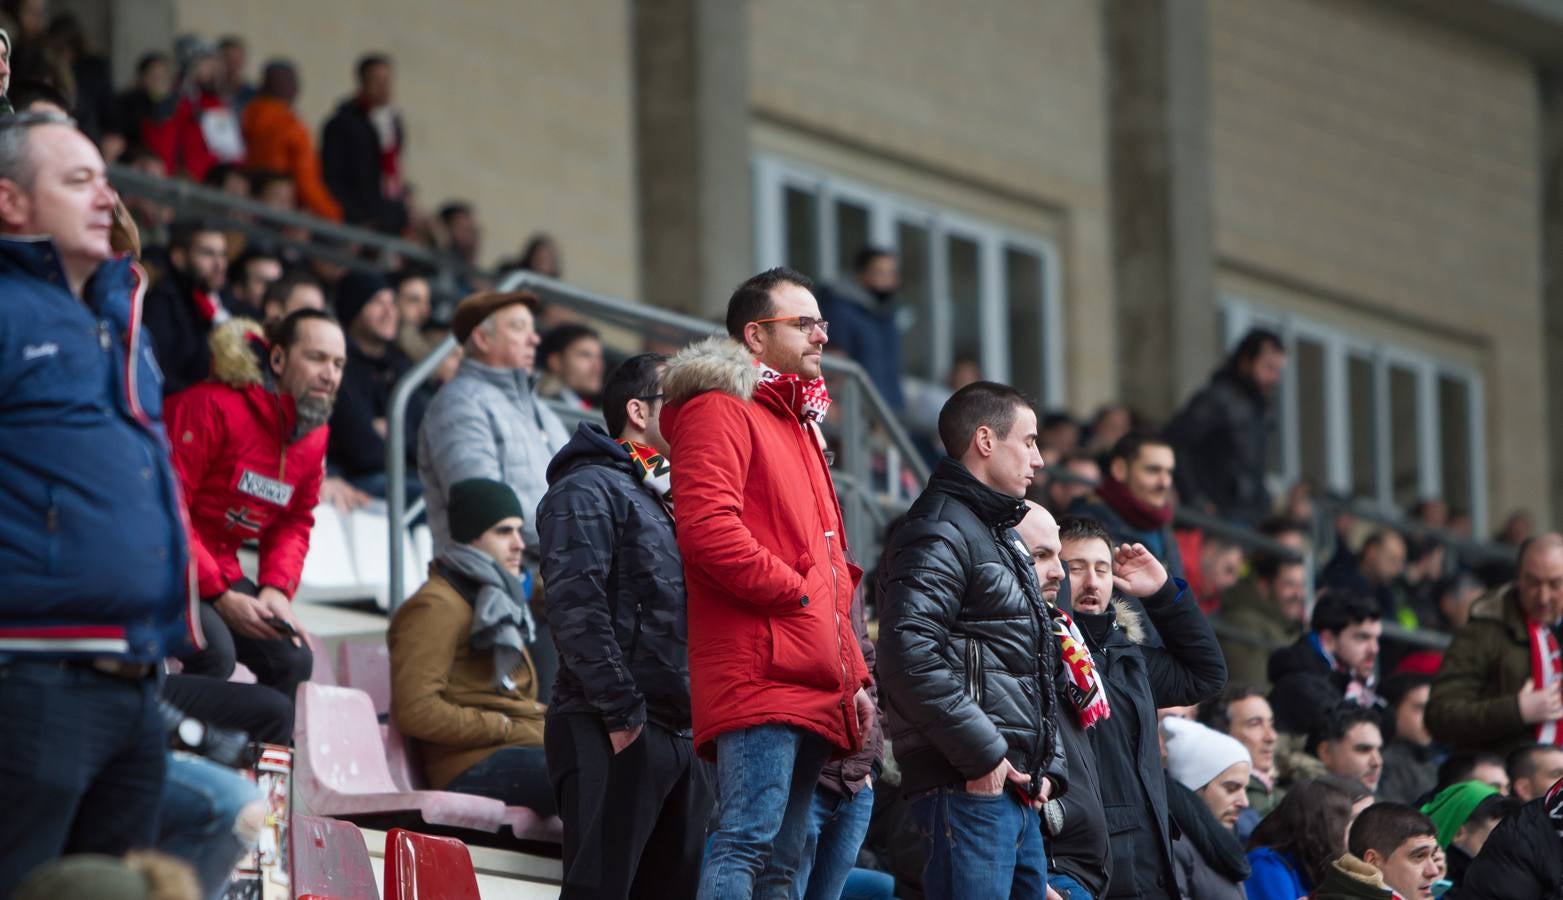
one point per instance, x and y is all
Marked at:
(1075, 824)
(1501, 684)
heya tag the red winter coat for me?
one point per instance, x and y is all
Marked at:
(760, 531)
(241, 476)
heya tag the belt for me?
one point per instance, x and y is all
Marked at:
(118, 668)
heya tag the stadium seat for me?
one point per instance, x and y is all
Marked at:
(401, 759)
(527, 825)
(324, 672)
(424, 867)
(366, 665)
(329, 566)
(369, 537)
(340, 767)
(330, 859)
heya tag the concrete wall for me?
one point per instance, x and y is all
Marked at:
(524, 109)
(1388, 168)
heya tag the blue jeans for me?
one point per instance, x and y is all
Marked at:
(835, 832)
(765, 779)
(199, 815)
(868, 884)
(518, 776)
(82, 767)
(1067, 887)
(979, 846)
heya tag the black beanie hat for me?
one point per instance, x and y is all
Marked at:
(354, 292)
(476, 505)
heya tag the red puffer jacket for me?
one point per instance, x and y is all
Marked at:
(769, 584)
(242, 476)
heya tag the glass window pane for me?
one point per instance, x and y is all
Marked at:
(1454, 433)
(851, 234)
(917, 354)
(965, 284)
(1403, 435)
(1312, 449)
(801, 209)
(1364, 465)
(1027, 349)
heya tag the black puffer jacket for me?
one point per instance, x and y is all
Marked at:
(1522, 860)
(1306, 688)
(1222, 443)
(615, 597)
(966, 662)
(1141, 678)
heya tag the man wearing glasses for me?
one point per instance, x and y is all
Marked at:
(777, 676)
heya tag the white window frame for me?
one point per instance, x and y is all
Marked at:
(1339, 347)
(774, 175)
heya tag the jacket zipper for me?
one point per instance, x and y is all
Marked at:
(848, 712)
(974, 670)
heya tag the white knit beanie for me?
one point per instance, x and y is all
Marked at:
(1196, 754)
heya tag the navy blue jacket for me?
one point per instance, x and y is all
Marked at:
(865, 330)
(93, 558)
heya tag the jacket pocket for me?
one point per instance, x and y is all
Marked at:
(1122, 819)
(804, 645)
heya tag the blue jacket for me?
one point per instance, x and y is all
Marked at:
(866, 331)
(1274, 876)
(93, 557)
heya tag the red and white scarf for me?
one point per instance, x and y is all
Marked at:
(1085, 685)
(1546, 668)
(655, 472)
(812, 399)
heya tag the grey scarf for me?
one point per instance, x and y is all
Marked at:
(499, 611)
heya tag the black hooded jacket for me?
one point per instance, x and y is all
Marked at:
(1306, 688)
(1522, 859)
(1222, 443)
(966, 660)
(615, 597)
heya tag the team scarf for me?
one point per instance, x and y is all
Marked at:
(1546, 668)
(1360, 691)
(655, 472)
(1085, 685)
(1555, 807)
(813, 400)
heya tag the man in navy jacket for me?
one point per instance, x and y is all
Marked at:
(93, 563)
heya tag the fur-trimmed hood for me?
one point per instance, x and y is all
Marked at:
(1128, 619)
(238, 350)
(714, 364)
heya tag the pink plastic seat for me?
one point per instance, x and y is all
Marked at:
(527, 825)
(324, 672)
(330, 859)
(424, 867)
(401, 759)
(366, 666)
(340, 766)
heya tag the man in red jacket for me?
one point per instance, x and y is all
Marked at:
(249, 447)
(776, 675)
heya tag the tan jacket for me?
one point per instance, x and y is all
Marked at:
(442, 694)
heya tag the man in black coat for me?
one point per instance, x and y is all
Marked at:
(361, 150)
(1334, 661)
(966, 658)
(633, 797)
(1139, 678)
(1523, 858)
(1222, 436)
(186, 304)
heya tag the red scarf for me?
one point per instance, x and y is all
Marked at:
(810, 402)
(1546, 668)
(1085, 685)
(209, 307)
(1134, 511)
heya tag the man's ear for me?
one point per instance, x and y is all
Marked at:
(752, 341)
(635, 411)
(278, 356)
(983, 440)
(16, 206)
(1119, 470)
(1374, 858)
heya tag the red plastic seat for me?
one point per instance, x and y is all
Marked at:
(330, 859)
(340, 770)
(366, 666)
(424, 867)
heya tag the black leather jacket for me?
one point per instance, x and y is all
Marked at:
(966, 661)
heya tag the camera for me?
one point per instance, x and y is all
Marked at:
(225, 746)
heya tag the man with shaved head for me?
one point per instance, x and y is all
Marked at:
(1501, 684)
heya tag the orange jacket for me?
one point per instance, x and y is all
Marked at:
(277, 139)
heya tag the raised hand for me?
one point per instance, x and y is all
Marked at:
(1136, 571)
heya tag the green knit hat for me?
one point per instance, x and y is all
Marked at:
(477, 504)
(1453, 805)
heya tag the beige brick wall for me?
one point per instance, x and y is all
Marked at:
(1389, 166)
(523, 108)
(1003, 101)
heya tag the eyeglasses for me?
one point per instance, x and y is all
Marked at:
(653, 398)
(805, 324)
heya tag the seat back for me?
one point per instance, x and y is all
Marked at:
(330, 859)
(425, 867)
(366, 665)
(324, 672)
(338, 743)
(329, 563)
(401, 757)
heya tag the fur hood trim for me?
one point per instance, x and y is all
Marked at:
(1130, 621)
(235, 361)
(714, 364)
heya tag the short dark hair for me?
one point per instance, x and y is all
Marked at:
(1521, 763)
(1337, 609)
(1213, 713)
(285, 333)
(453, 208)
(563, 337)
(1398, 687)
(865, 257)
(229, 40)
(752, 300)
(1056, 418)
(1255, 342)
(405, 274)
(1460, 766)
(280, 290)
(1268, 566)
(637, 378)
(1336, 723)
(1385, 826)
(1378, 537)
(240, 266)
(182, 234)
(1494, 806)
(369, 61)
(216, 175)
(261, 179)
(148, 60)
(1129, 446)
(1083, 528)
(975, 405)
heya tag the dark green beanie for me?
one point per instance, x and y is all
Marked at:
(477, 504)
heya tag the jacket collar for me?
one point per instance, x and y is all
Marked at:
(995, 509)
(37, 256)
(589, 446)
(511, 381)
(1502, 605)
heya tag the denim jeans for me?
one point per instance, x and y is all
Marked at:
(835, 832)
(868, 884)
(1067, 887)
(199, 815)
(516, 775)
(979, 846)
(765, 779)
(82, 767)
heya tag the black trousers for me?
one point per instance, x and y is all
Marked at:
(635, 823)
(276, 664)
(262, 713)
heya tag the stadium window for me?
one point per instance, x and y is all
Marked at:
(1369, 419)
(970, 288)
